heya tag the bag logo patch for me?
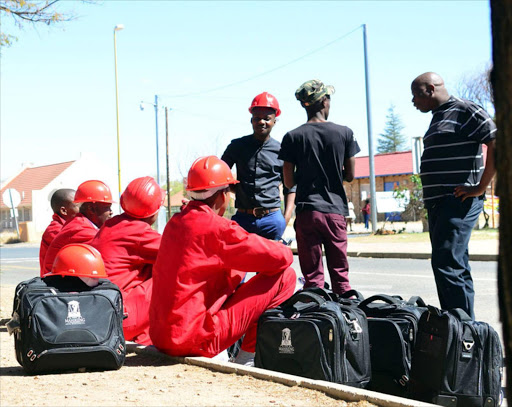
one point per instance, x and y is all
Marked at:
(286, 342)
(74, 316)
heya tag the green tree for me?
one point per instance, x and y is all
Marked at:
(31, 12)
(414, 210)
(392, 140)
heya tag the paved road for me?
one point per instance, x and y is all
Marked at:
(405, 277)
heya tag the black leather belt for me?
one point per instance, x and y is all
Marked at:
(258, 212)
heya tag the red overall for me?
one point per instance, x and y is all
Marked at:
(49, 234)
(198, 307)
(76, 230)
(129, 247)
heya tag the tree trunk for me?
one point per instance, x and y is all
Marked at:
(501, 17)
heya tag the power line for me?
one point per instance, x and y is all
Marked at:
(266, 72)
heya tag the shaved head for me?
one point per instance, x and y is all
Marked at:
(429, 78)
(62, 197)
(428, 92)
(62, 203)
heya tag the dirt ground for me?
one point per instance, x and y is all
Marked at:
(143, 381)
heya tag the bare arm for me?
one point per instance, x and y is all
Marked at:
(288, 178)
(463, 191)
(289, 205)
(349, 169)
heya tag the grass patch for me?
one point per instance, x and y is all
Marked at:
(482, 234)
(8, 237)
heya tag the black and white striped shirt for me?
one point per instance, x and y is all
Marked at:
(452, 152)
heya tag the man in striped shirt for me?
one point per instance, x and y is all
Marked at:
(454, 181)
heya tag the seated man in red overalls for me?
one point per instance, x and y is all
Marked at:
(129, 247)
(198, 307)
(95, 201)
(64, 208)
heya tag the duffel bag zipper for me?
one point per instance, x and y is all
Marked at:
(36, 290)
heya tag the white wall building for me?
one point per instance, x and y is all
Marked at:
(36, 185)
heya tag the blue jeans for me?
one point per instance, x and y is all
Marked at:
(366, 217)
(271, 226)
(450, 224)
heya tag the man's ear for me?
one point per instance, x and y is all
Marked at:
(63, 211)
(430, 89)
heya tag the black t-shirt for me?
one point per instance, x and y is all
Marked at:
(318, 151)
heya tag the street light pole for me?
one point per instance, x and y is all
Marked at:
(118, 27)
(373, 194)
(157, 153)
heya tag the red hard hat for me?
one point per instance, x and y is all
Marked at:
(209, 172)
(78, 260)
(93, 191)
(265, 99)
(142, 198)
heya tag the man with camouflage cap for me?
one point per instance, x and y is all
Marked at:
(318, 156)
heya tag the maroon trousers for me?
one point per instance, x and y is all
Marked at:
(314, 229)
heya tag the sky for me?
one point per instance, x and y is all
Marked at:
(206, 61)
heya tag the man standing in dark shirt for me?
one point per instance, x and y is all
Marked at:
(259, 171)
(318, 156)
(454, 181)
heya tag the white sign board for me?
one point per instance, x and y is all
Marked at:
(386, 202)
(11, 196)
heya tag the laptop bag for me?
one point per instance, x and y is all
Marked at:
(312, 336)
(59, 324)
(456, 361)
(393, 326)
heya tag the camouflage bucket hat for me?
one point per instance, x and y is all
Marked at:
(312, 91)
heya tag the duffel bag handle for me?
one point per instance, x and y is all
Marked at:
(326, 294)
(304, 296)
(352, 293)
(416, 301)
(460, 314)
(380, 297)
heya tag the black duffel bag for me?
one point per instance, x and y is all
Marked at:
(456, 361)
(312, 335)
(62, 324)
(393, 326)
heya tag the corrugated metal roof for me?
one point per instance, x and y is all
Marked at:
(385, 164)
(33, 179)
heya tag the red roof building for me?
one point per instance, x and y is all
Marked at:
(30, 179)
(390, 164)
(391, 170)
(36, 185)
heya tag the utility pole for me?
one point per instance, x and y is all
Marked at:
(167, 164)
(373, 197)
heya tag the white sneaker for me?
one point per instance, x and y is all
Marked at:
(222, 357)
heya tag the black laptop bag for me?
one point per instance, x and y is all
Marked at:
(59, 324)
(456, 361)
(311, 335)
(393, 326)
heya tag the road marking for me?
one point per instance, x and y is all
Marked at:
(412, 275)
(19, 267)
(19, 261)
